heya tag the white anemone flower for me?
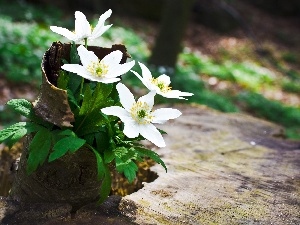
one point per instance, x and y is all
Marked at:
(106, 70)
(138, 116)
(83, 29)
(161, 84)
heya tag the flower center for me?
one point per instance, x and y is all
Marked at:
(98, 68)
(141, 113)
(163, 87)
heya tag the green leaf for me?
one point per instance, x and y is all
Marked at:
(25, 108)
(106, 185)
(100, 164)
(39, 149)
(74, 79)
(72, 99)
(13, 133)
(64, 145)
(67, 132)
(129, 168)
(108, 156)
(102, 141)
(90, 123)
(21, 106)
(151, 154)
(87, 101)
(74, 57)
(63, 80)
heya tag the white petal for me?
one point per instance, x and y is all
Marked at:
(175, 94)
(112, 58)
(106, 80)
(145, 72)
(164, 114)
(99, 32)
(64, 32)
(120, 69)
(82, 26)
(116, 111)
(76, 68)
(148, 98)
(130, 129)
(126, 97)
(150, 132)
(144, 81)
(165, 79)
(86, 56)
(100, 29)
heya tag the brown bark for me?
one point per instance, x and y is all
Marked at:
(72, 178)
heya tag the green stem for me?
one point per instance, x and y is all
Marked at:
(81, 86)
(82, 81)
(85, 43)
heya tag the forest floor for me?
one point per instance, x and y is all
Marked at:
(270, 41)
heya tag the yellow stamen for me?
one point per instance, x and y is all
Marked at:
(141, 113)
(98, 69)
(161, 85)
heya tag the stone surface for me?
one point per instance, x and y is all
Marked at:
(222, 169)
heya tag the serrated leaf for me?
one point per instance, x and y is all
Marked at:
(21, 106)
(39, 149)
(25, 108)
(64, 145)
(13, 133)
(151, 154)
(106, 185)
(95, 100)
(90, 123)
(72, 99)
(130, 171)
(120, 152)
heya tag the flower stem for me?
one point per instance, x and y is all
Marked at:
(85, 43)
(82, 80)
(81, 86)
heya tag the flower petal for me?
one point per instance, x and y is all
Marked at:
(76, 68)
(100, 28)
(144, 81)
(130, 129)
(106, 80)
(86, 56)
(126, 97)
(82, 26)
(165, 79)
(113, 58)
(150, 132)
(64, 32)
(164, 114)
(145, 72)
(148, 98)
(120, 69)
(175, 94)
(116, 111)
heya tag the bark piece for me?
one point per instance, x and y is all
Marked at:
(52, 104)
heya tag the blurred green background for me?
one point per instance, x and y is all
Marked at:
(235, 56)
